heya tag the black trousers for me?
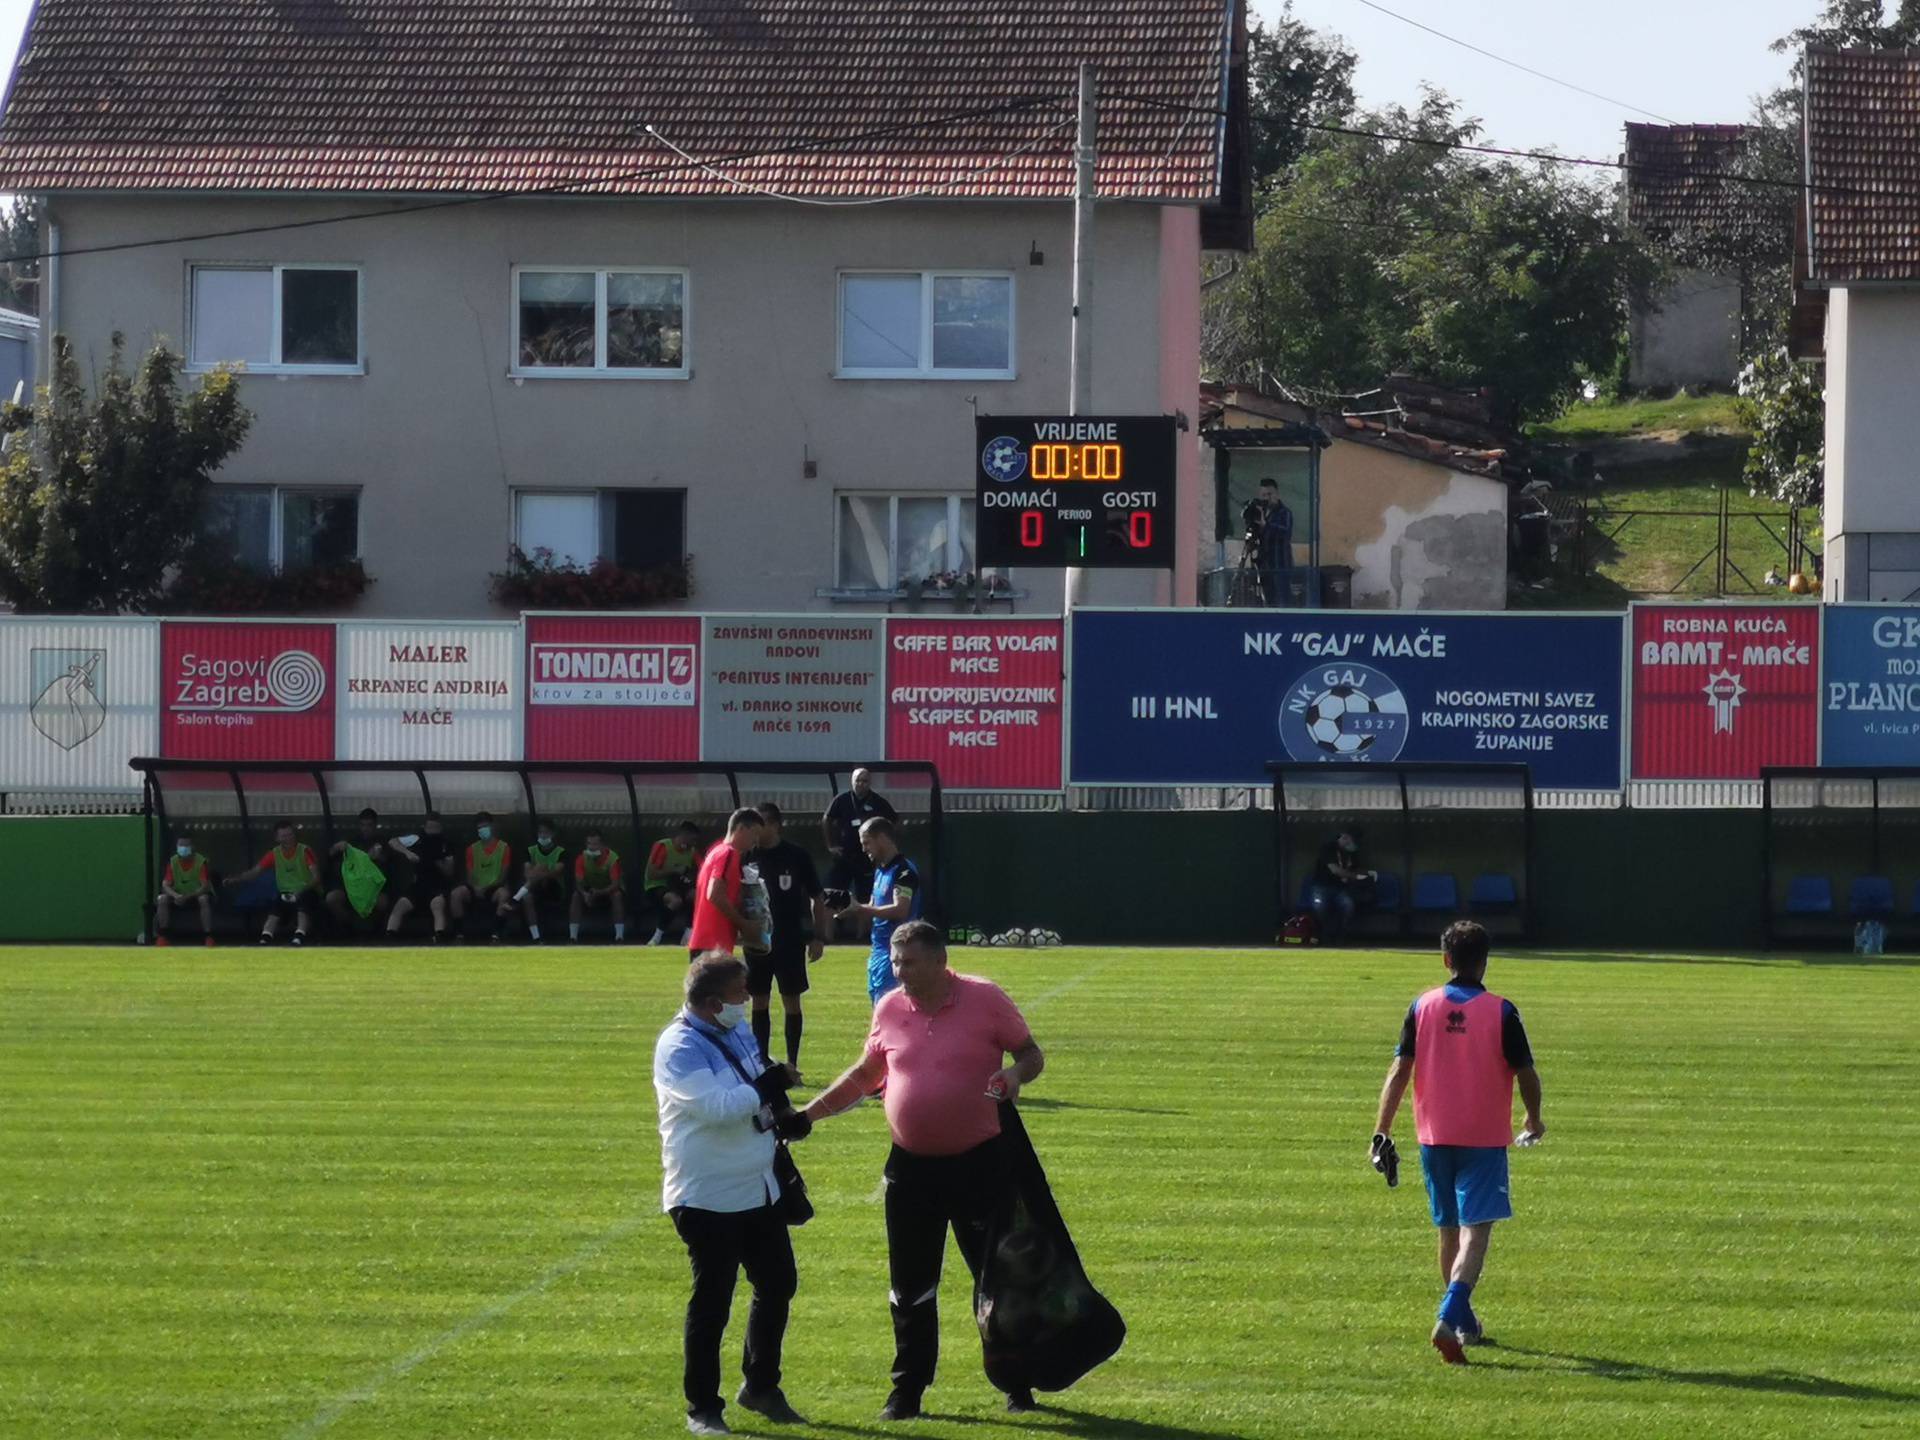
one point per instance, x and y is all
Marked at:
(972, 1194)
(720, 1245)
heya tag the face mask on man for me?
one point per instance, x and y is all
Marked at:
(730, 1016)
(546, 842)
(486, 832)
(593, 851)
(185, 852)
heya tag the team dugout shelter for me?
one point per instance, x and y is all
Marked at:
(1449, 841)
(230, 811)
(1841, 846)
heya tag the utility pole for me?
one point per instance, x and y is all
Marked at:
(1085, 157)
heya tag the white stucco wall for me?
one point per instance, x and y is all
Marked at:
(1689, 334)
(438, 436)
(1872, 512)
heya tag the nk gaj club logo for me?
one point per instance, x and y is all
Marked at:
(1344, 712)
(66, 707)
(1004, 459)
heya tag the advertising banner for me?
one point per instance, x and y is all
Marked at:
(978, 698)
(429, 692)
(613, 687)
(792, 688)
(1720, 691)
(77, 701)
(1872, 692)
(246, 691)
(1210, 697)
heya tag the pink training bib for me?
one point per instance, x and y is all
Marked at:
(1462, 1084)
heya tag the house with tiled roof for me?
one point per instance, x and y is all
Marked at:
(635, 279)
(1862, 251)
(1677, 195)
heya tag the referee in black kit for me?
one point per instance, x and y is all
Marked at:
(799, 930)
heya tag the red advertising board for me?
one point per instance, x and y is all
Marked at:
(246, 692)
(613, 687)
(1719, 691)
(978, 698)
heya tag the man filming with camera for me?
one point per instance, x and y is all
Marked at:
(1269, 540)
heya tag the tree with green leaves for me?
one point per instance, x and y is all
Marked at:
(19, 235)
(1297, 77)
(100, 496)
(1783, 402)
(1411, 255)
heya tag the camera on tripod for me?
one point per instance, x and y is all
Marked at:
(1253, 519)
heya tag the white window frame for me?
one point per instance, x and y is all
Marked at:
(599, 497)
(954, 499)
(276, 366)
(925, 370)
(276, 522)
(599, 370)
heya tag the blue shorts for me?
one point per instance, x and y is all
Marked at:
(880, 977)
(1467, 1184)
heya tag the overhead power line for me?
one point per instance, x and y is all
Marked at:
(1515, 64)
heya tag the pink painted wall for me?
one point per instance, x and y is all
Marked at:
(1180, 384)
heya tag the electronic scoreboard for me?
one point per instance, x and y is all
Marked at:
(1075, 490)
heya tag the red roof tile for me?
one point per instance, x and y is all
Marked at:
(1863, 165)
(1676, 185)
(410, 96)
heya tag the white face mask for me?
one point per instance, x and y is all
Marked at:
(730, 1016)
(185, 852)
(485, 832)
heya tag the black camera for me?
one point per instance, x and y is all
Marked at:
(1253, 519)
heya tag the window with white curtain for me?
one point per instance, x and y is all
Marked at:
(637, 529)
(885, 541)
(276, 318)
(926, 325)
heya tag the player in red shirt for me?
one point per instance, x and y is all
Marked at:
(717, 917)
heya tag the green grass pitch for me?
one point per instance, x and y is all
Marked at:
(412, 1194)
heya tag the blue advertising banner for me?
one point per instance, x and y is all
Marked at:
(1209, 697)
(1872, 692)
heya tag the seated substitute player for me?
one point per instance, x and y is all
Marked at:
(184, 881)
(669, 882)
(489, 865)
(543, 879)
(596, 882)
(1464, 1048)
(1341, 884)
(432, 860)
(799, 921)
(896, 900)
(366, 837)
(296, 881)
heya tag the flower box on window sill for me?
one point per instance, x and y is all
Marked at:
(208, 586)
(961, 597)
(538, 582)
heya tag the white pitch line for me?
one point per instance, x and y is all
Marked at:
(479, 1320)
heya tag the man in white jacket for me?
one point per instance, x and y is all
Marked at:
(719, 1106)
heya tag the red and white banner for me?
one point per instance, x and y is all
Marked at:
(1722, 691)
(246, 691)
(618, 687)
(981, 699)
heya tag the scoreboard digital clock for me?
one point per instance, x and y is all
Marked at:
(1075, 491)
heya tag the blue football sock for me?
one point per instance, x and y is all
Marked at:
(1455, 1307)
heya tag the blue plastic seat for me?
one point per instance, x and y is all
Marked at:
(1810, 895)
(1386, 894)
(1493, 891)
(1870, 897)
(1435, 892)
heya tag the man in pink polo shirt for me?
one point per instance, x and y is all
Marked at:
(1464, 1048)
(939, 1044)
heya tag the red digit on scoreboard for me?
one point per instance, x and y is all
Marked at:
(1140, 529)
(1031, 523)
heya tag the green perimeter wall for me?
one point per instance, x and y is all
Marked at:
(1632, 879)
